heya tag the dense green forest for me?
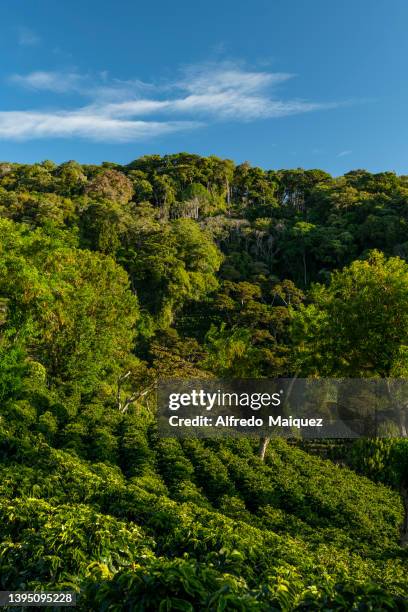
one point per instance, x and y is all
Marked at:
(113, 276)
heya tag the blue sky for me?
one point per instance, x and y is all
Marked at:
(280, 83)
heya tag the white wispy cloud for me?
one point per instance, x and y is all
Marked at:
(344, 153)
(50, 81)
(94, 86)
(27, 38)
(131, 110)
(25, 125)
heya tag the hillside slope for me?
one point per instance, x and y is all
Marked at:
(112, 277)
(194, 525)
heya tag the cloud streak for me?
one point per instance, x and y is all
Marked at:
(25, 125)
(344, 153)
(27, 38)
(50, 81)
(133, 110)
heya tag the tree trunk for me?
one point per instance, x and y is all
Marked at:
(265, 441)
(228, 192)
(401, 410)
(402, 421)
(403, 429)
(262, 447)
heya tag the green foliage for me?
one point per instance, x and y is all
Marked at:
(383, 460)
(12, 371)
(112, 276)
(111, 185)
(173, 264)
(77, 333)
(34, 533)
(357, 326)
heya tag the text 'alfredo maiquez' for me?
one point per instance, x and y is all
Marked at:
(231, 421)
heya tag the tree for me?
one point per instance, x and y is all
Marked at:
(300, 240)
(104, 225)
(110, 185)
(357, 326)
(70, 178)
(172, 264)
(38, 209)
(72, 309)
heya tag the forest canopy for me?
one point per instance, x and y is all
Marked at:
(112, 276)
